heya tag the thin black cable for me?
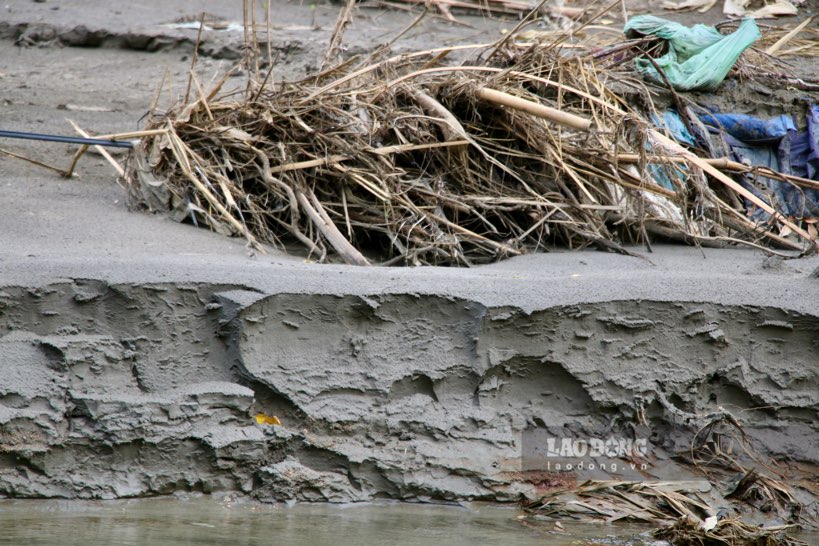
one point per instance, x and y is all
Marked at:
(67, 139)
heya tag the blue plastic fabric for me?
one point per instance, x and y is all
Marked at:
(776, 144)
(665, 175)
(805, 148)
(672, 121)
(698, 57)
(750, 128)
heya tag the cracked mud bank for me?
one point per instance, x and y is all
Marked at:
(122, 390)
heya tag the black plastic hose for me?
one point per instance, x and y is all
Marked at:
(67, 139)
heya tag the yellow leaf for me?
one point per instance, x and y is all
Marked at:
(263, 419)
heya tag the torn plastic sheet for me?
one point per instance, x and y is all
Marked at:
(749, 128)
(698, 57)
(673, 123)
(776, 144)
(666, 175)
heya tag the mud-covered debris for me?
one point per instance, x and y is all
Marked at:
(411, 160)
(698, 512)
(727, 532)
(643, 501)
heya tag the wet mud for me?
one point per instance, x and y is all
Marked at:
(135, 390)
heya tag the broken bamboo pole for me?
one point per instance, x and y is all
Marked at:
(533, 108)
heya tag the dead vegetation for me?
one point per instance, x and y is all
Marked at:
(722, 452)
(708, 512)
(727, 532)
(411, 160)
(445, 7)
(682, 508)
(643, 501)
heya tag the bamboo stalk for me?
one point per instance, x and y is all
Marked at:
(330, 231)
(535, 109)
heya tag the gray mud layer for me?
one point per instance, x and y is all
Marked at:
(119, 390)
(135, 351)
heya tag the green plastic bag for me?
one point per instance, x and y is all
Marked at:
(698, 58)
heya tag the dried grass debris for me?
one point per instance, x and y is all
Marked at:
(727, 532)
(409, 160)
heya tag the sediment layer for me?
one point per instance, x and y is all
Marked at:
(123, 390)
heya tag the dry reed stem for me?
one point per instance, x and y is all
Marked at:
(773, 49)
(32, 161)
(102, 151)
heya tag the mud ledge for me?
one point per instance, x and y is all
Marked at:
(121, 389)
(299, 32)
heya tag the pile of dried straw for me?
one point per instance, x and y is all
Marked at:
(408, 159)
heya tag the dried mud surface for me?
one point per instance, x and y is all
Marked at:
(135, 351)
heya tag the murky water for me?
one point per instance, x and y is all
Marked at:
(225, 521)
(207, 520)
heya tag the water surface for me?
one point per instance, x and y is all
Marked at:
(225, 521)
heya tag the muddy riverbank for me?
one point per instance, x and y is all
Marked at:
(109, 385)
(137, 352)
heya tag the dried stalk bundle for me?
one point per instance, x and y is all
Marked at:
(727, 532)
(610, 501)
(407, 160)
